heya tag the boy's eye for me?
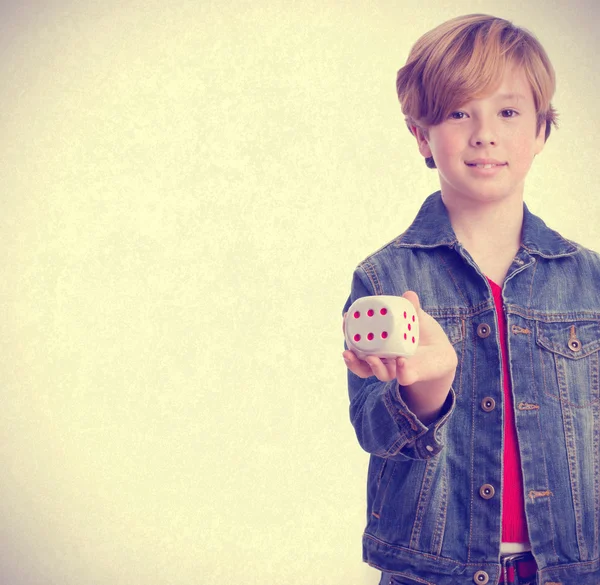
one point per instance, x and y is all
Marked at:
(508, 113)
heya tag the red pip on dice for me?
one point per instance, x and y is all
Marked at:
(382, 325)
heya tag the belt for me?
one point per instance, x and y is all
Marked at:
(518, 569)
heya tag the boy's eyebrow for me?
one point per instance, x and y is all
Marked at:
(511, 96)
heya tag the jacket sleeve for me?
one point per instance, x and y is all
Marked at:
(383, 423)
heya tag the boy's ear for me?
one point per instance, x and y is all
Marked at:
(422, 137)
(540, 140)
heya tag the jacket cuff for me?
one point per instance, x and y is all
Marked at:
(416, 441)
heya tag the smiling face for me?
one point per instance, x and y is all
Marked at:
(484, 149)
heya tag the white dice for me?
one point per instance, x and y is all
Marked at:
(382, 325)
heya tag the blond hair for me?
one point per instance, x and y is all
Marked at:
(464, 59)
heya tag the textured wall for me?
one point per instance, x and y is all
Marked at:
(186, 188)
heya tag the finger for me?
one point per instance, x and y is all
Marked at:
(360, 368)
(406, 372)
(385, 371)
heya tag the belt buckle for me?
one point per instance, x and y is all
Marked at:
(511, 561)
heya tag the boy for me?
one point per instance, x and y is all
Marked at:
(485, 445)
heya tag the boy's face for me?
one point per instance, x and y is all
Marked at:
(499, 128)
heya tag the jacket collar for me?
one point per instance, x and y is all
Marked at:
(432, 228)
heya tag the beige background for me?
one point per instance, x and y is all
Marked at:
(186, 189)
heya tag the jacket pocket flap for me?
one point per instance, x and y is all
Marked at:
(453, 327)
(571, 339)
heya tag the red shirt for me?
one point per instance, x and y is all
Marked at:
(514, 524)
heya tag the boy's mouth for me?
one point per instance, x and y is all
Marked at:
(484, 164)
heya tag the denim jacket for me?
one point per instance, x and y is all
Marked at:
(431, 515)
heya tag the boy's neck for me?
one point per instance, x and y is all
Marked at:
(490, 232)
(487, 226)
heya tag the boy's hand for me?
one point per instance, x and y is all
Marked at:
(435, 358)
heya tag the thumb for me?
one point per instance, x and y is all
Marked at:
(413, 297)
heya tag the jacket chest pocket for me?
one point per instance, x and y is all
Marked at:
(569, 360)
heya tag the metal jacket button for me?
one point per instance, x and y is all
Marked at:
(574, 343)
(487, 491)
(488, 404)
(483, 330)
(481, 577)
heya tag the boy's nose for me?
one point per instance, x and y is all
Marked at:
(483, 133)
(484, 136)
